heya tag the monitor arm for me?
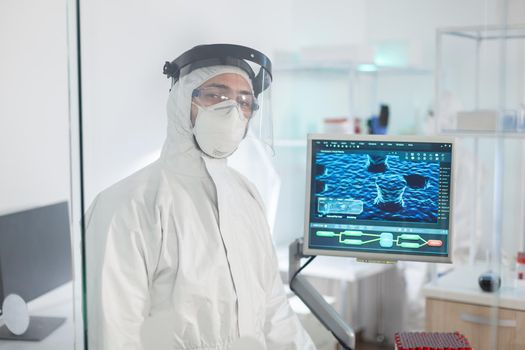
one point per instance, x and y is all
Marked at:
(324, 312)
(2, 296)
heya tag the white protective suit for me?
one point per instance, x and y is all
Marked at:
(179, 254)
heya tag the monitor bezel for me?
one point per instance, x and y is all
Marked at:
(370, 256)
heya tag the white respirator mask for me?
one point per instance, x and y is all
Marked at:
(219, 129)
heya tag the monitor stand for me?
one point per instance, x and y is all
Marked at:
(39, 328)
(323, 311)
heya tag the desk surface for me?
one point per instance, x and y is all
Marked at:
(59, 303)
(461, 285)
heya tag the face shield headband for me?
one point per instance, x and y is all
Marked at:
(222, 55)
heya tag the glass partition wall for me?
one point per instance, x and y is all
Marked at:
(40, 266)
(435, 64)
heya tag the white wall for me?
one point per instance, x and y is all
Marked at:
(125, 92)
(34, 139)
(327, 23)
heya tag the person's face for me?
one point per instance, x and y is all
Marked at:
(224, 87)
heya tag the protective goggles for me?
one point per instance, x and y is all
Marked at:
(212, 95)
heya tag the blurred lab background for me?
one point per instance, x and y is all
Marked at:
(406, 67)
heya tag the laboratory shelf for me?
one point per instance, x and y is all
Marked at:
(484, 134)
(296, 143)
(486, 32)
(346, 67)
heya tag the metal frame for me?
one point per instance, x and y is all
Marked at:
(323, 311)
(378, 257)
(2, 293)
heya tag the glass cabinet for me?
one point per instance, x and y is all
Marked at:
(480, 101)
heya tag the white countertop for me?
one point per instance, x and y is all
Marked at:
(461, 285)
(58, 303)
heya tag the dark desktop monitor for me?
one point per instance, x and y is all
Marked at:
(35, 253)
(379, 198)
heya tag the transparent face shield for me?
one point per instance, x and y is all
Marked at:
(237, 76)
(261, 122)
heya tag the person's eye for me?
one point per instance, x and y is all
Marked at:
(248, 100)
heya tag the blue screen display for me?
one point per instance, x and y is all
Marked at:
(380, 197)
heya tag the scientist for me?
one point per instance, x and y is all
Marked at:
(179, 254)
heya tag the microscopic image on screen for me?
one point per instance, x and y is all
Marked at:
(377, 186)
(379, 198)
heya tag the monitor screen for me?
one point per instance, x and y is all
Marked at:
(35, 251)
(379, 198)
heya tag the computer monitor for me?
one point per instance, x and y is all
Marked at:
(35, 258)
(379, 198)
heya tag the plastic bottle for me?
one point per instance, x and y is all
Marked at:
(338, 125)
(520, 266)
